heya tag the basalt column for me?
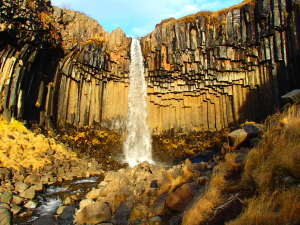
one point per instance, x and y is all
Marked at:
(213, 69)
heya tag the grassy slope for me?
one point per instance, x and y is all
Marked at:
(267, 180)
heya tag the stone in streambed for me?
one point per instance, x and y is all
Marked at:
(60, 210)
(30, 205)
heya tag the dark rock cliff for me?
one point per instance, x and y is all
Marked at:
(59, 66)
(205, 72)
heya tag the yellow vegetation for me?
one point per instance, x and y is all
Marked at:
(21, 148)
(99, 39)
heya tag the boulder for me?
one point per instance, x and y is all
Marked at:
(20, 187)
(237, 137)
(179, 199)
(28, 193)
(32, 179)
(94, 213)
(30, 205)
(240, 136)
(94, 194)
(17, 200)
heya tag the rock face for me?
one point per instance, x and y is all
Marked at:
(56, 85)
(91, 83)
(205, 72)
(209, 70)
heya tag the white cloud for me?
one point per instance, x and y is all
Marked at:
(186, 10)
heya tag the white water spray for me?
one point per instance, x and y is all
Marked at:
(137, 147)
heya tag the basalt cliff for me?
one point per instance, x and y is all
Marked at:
(206, 71)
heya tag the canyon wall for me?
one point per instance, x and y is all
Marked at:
(61, 67)
(93, 83)
(205, 71)
(214, 69)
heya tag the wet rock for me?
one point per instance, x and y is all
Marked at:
(68, 201)
(45, 220)
(31, 204)
(60, 210)
(67, 215)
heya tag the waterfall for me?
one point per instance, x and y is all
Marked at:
(137, 147)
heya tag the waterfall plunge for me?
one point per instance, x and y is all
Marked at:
(137, 147)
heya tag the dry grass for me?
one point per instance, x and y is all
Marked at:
(274, 168)
(271, 172)
(204, 207)
(21, 148)
(277, 208)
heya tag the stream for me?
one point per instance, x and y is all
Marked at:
(57, 195)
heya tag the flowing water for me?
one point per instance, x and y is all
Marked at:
(52, 197)
(137, 147)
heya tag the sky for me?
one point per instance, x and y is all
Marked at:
(139, 17)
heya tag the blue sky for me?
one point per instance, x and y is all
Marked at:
(138, 17)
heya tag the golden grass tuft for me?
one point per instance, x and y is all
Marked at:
(21, 148)
(282, 208)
